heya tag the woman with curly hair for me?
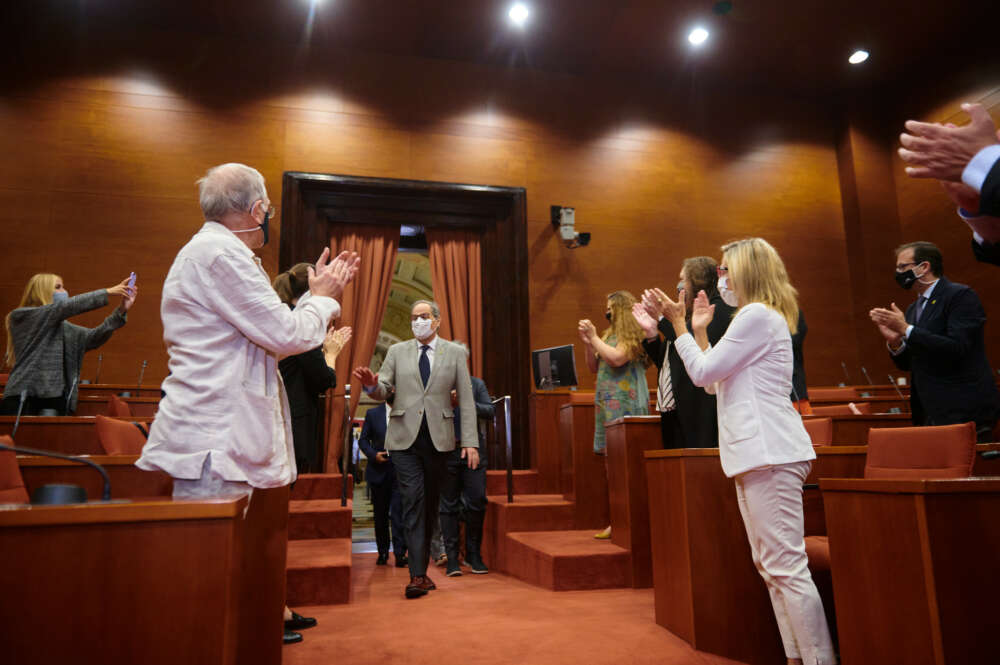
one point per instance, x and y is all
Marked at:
(618, 358)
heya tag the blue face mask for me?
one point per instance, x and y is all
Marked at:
(60, 296)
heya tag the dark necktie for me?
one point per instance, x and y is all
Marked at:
(920, 308)
(425, 365)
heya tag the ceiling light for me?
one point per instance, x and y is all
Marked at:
(518, 14)
(858, 57)
(698, 36)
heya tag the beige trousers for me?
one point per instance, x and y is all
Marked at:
(771, 504)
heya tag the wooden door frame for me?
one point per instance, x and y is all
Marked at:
(311, 202)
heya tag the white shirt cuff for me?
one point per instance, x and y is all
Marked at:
(906, 334)
(979, 166)
(897, 351)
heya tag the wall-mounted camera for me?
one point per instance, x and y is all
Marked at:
(564, 220)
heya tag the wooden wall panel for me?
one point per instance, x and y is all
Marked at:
(654, 176)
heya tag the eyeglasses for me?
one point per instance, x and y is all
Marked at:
(721, 270)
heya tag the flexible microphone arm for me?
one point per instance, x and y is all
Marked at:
(69, 397)
(846, 375)
(865, 372)
(142, 372)
(20, 407)
(100, 362)
(894, 385)
(106, 496)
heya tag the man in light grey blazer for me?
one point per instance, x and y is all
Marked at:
(423, 372)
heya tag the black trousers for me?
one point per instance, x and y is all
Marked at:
(670, 430)
(32, 405)
(462, 486)
(419, 472)
(387, 505)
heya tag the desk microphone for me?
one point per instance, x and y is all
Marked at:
(141, 373)
(100, 362)
(846, 375)
(62, 494)
(865, 372)
(69, 397)
(20, 407)
(345, 463)
(896, 386)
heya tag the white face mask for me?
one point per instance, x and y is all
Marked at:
(728, 295)
(421, 328)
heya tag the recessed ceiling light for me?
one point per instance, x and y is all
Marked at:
(698, 36)
(518, 14)
(858, 57)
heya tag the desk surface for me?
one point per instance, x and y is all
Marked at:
(20, 515)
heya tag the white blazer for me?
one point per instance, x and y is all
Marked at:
(225, 329)
(750, 370)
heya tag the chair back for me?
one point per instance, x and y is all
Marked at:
(12, 488)
(945, 451)
(118, 408)
(119, 437)
(820, 430)
(845, 393)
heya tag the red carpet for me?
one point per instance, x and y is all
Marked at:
(486, 619)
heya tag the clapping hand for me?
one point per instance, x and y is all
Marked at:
(336, 340)
(893, 319)
(933, 150)
(645, 321)
(964, 196)
(587, 331)
(329, 279)
(702, 312)
(673, 311)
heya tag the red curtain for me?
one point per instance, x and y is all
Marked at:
(456, 274)
(362, 307)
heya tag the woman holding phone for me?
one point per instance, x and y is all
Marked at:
(45, 351)
(763, 445)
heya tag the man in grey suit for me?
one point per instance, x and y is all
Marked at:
(423, 371)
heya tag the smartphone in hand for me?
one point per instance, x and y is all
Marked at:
(131, 281)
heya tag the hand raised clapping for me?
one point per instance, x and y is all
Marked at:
(329, 279)
(645, 321)
(587, 331)
(702, 312)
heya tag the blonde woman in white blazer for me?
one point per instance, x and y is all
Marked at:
(763, 445)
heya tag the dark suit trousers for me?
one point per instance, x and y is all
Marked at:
(419, 472)
(387, 507)
(671, 434)
(461, 485)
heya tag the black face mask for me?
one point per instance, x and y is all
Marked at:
(607, 315)
(906, 279)
(263, 225)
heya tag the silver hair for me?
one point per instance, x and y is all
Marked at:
(435, 310)
(228, 188)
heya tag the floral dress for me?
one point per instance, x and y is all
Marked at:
(621, 391)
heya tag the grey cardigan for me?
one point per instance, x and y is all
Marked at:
(49, 350)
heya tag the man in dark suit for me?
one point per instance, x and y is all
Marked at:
(688, 418)
(381, 479)
(423, 372)
(940, 342)
(465, 486)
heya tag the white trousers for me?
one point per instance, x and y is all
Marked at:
(771, 504)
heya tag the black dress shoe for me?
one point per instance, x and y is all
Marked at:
(292, 637)
(382, 560)
(416, 588)
(402, 561)
(476, 565)
(298, 622)
(454, 570)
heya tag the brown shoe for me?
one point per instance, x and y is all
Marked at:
(427, 584)
(416, 587)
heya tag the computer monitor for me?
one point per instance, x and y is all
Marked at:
(554, 367)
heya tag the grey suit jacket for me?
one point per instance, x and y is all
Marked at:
(413, 401)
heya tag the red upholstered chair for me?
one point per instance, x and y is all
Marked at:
(820, 430)
(118, 408)
(946, 451)
(841, 409)
(846, 394)
(12, 488)
(119, 437)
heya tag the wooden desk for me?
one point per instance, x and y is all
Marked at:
(628, 439)
(853, 430)
(584, 480)
(913, 566)
(706, 588)
(546, 452)
(127, 480)
(73, 435)
(91, 405)
(151, 582)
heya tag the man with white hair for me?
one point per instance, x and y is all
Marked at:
(223, 428)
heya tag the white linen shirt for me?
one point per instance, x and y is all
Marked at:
(225, 329)
(750, 370)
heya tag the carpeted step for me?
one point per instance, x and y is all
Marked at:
(320, 486)
(529, 512)
(525, 482)
(323, 518)
(318, 572)
(566, 560)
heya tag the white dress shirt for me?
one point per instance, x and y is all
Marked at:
(750, 370)
(225, 329)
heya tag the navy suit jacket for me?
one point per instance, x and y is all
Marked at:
(371, 442)
(989, 204)
(951, 378)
